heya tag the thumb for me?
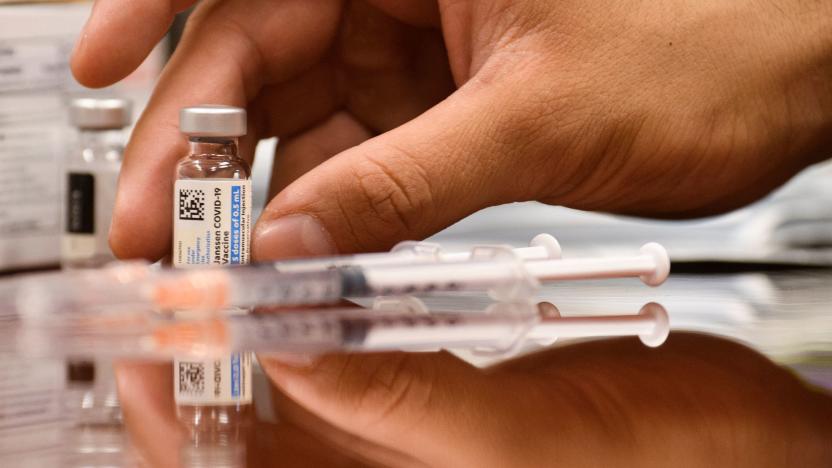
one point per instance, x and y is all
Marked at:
(407, 183)
(416, 403)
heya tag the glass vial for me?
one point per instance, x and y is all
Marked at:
(212, 226)
(91, 176)
(214, 449)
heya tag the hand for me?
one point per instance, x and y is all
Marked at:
(695, 401)
(145, 390)
(397, 118)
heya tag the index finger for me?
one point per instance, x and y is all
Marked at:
(146, 399)
(219, 61)
(118, 36)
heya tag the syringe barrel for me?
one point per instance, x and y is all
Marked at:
(263, 285)
(420, 332)
(363, 330)
(89, 335)
(310, 332)
(324, 263)
(429, 277)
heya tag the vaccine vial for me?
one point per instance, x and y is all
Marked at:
(212, 193)
(212, 226)
(92, 168)
(207, 449)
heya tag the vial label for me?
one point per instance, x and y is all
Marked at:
(213, 381)
(90, 197)
(80, 197)
(79, 241)
(212, 222)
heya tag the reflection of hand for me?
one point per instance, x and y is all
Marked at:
(696, 401)
(146, 396)
(662, 108)
(145, 392)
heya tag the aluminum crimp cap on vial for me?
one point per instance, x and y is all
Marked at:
(212, 121)
(100, 113)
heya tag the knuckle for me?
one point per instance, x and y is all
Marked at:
(394, 195)
(525, 131)
(398, 389)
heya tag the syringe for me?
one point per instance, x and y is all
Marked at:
(501, 329)
(494, 269)
(126, 286)
(499, 270)
(399, 324)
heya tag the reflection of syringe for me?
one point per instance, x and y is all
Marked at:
(500, 329)
(499, 270)
(395, 324)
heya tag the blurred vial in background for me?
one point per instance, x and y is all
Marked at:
(91, 397)
(92, 168)
(94, 435)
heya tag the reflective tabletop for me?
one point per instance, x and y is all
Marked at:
(706, 386)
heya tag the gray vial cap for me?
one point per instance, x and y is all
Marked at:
(213, 121)
(100, 113)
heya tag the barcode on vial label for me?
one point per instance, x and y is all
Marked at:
(191, 378)
(191, 204)
(226, 380)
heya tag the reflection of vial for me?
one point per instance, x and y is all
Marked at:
(91, 397)
(214, 450)
(212, 226)
(94, 435)
(92, 173)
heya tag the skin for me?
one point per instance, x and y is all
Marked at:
(695, 401)
(399, 117)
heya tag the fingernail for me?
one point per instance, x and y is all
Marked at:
(79, 41)
(297, 235)
(82, 36)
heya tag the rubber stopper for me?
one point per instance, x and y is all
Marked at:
(548, 242)
(662, 262)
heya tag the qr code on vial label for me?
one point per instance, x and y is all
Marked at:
(191, 204)
(191, 378)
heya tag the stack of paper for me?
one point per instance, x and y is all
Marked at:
(35, 86)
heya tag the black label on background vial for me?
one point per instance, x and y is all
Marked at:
(80, 204)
